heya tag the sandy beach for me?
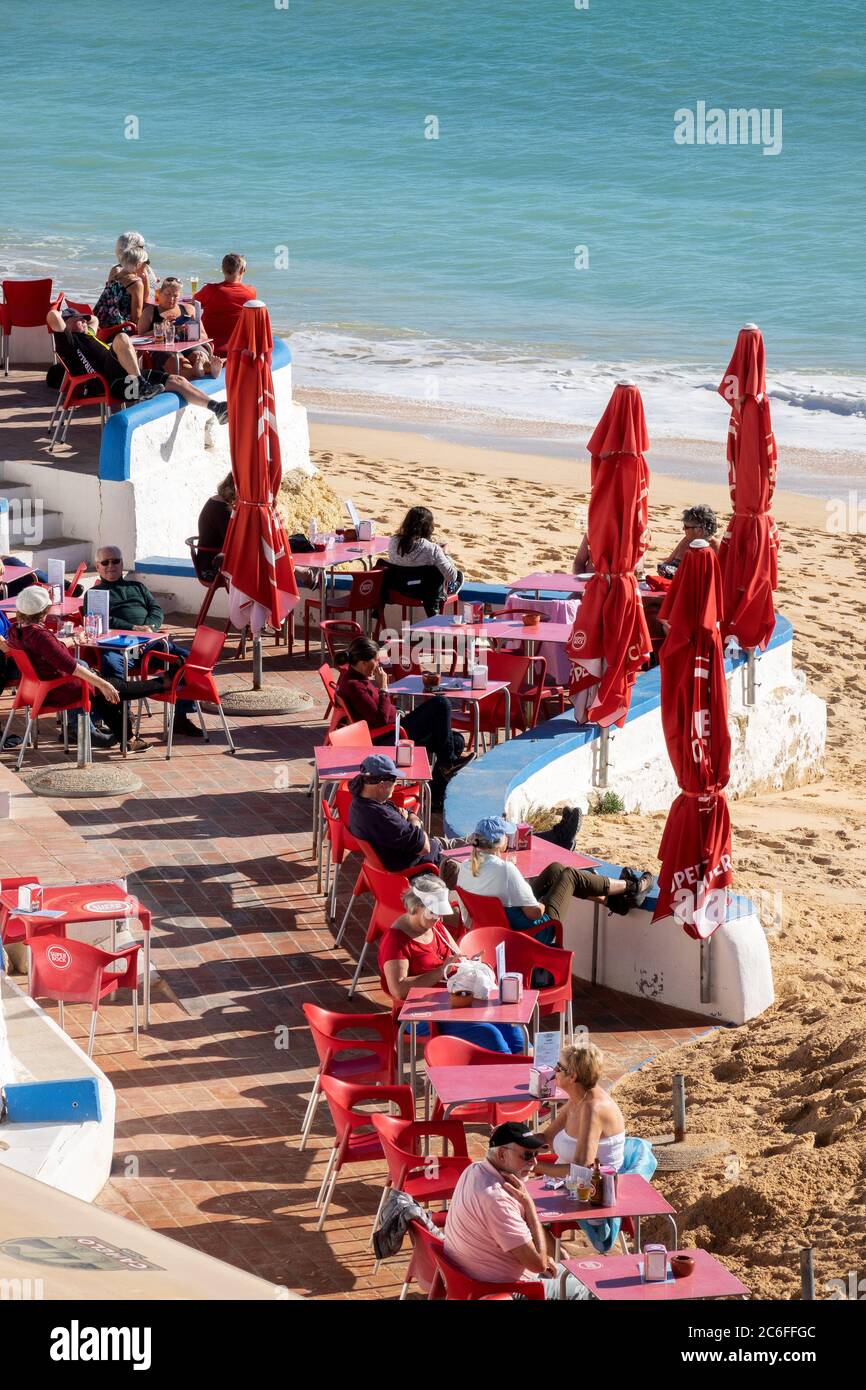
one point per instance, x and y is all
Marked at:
(788, 1091)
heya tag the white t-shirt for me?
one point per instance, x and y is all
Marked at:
(497, 878)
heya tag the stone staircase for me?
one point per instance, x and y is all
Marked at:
(34, 534)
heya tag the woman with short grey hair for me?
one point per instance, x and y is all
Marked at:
(700, 523)
(123, 297)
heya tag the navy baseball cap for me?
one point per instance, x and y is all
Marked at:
(492, 828)
(69, 313)
(516, 1133)
(380, 767)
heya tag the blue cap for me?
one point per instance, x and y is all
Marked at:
(492, 828)
(378, 765)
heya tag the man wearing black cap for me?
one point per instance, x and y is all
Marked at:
(492, 1231)
(397, 835)
(81, 353)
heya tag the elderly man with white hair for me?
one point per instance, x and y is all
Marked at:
(131, 606)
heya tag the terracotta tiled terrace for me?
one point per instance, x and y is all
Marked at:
(209, 1110)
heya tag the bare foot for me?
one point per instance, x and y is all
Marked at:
(216, 366)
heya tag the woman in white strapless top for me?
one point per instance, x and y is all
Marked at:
(590, 1125)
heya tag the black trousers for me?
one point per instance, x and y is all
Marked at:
(429, 725)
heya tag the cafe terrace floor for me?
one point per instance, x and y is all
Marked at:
(209, 1110)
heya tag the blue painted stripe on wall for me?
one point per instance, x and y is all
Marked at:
(115, 453)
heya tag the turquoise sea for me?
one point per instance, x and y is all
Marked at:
(444, 269)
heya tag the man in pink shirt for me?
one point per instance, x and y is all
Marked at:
(492, 1231)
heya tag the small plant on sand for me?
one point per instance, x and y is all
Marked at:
(606, 804)
(542, 817)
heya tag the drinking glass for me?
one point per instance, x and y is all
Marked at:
(169, 332)
(159, 331)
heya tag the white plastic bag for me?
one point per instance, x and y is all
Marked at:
(471, 977)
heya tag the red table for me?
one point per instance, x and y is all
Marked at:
(616, 1278)
(555, 583)
(459, 690)
(157, 347)
(65, 609)
(327, 560)
(431, 1005)
(503, 1083)
(81, 902)
(635, 1198)
(502, 629)
(533, 860)
(13, 571)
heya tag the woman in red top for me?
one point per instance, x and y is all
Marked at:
(363, 689)
(414, 952)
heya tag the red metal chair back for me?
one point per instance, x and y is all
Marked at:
(365, 595)
(351, 736)
(422, 1267)
(343, 1096)
(400, 1139)
(26, 303)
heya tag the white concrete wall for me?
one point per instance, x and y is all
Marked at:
(176, 462)
(657, 960)
(73, 1158)
(778, 742)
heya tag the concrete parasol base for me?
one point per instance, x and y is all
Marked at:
(689, 1153)
(270, 699)
(103, 779)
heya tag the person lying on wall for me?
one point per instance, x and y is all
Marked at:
(133, 608)
(54, 658)
(82, 353)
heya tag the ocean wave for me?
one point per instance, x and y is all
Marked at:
(823, 411)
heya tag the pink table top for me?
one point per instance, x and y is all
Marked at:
(537, 857)
(555, 582)
(508, 629)
(454, 687)
(616, 1278)
(504, 1082)
(333, 764)
(80, 902)
(12, 571)
(66, 608)
(158, 345)
(341, 554)
(635, 1197)
(425, 1005)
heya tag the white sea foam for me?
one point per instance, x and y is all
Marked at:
(811, 409)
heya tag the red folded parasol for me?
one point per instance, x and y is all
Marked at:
(257, 555)
(609, 640)
(750, 547)
(696, 845)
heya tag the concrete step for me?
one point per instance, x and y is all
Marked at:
(34, 527)
(15, 491)
(67, 548)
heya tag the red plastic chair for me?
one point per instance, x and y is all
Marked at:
(376, 1063)
(339, 634)
(74, 972)
(513, 668)
(387, 889)
(364, 885)
(72, 584)
(365, 596)
(358, 735)
(11, 927)
(425, 1177)
(199, 557)
(523, 954)
(35, 696)
(356, 1140)
(459, 1286)
(489, 912)
(445, 1051)
(74, 394)
(25, 305)
(193, 680)
(422, 1266)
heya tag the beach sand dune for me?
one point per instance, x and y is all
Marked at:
(789, 1089)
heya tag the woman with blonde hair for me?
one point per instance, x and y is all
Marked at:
(123, 298)
(591, 1125)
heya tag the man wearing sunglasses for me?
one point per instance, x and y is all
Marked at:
(492, 1231)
